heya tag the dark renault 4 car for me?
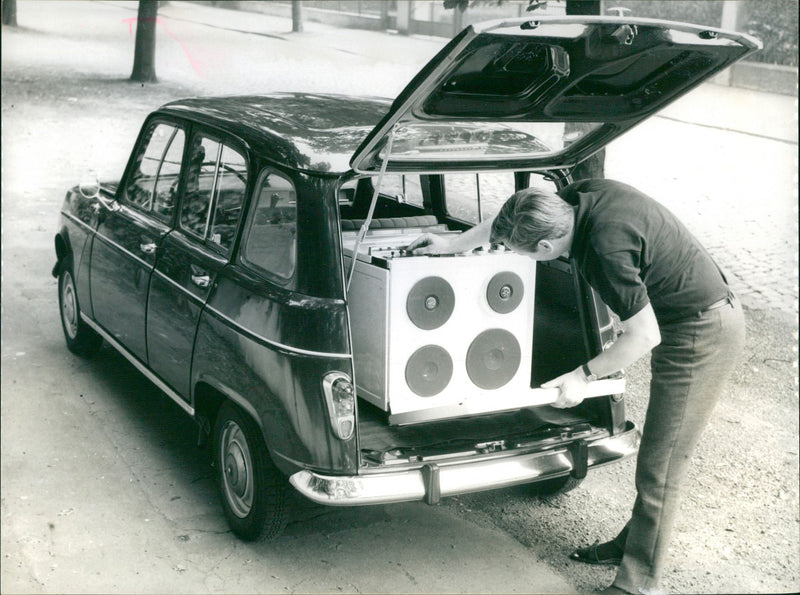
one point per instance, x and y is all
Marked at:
(250, 263)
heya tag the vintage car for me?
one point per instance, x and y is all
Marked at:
(251, 263)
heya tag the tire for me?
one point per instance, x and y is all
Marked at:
(555, 486)
(253, 492)
(81, 338)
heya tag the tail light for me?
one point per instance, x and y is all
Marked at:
(341, 399)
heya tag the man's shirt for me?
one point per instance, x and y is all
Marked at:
(634, 251)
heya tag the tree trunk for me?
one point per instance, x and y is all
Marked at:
(144, 57)
(585, 7)
(458, 20)
(297, 16)
(594, 166)
(10, 13)
(384, 15)
(591, 167)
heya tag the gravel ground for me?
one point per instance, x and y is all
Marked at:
(739, 529)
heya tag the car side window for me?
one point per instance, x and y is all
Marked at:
(216, 182)
(475, 197)
(230, 191)
(167, 180)
(153, 183)
(405, 188)
(270, 243)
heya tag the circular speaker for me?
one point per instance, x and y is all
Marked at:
(430, 303)
(493, 358)
(505, 292)
(429, 370)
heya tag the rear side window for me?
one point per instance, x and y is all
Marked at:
(216, 182)
(270, 243)
(404, 188)
(153, 184)
(475, 197)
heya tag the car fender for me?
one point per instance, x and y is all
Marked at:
(74, 239)
(229, 393)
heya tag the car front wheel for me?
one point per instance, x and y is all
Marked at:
(254, 493)
(81, 338)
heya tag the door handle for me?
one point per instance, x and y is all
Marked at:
(202, 281)
(148, 248)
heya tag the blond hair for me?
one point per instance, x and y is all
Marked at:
(530, 216)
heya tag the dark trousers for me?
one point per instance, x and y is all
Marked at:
(689, 368)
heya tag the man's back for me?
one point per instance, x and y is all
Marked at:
(634, 251)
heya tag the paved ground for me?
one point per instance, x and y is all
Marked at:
(88, 446)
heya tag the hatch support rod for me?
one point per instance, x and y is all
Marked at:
(365, 226)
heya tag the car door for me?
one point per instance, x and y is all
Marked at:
(124, 251)
(192, 255)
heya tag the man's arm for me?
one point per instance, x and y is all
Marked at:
(641, 335)
(429, 243)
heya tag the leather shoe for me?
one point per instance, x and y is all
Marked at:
(591, 555)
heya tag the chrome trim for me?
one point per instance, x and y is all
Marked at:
(139, 365)
(213, 205)
(149, 248)
(78, 221)
(179, 286)
(201, 281)
(275, 344)
(459, 477)
(336, 422)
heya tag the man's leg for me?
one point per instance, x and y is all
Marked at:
(689, 369)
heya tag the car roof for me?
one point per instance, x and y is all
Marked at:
(306, 131)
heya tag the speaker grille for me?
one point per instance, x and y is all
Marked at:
(430, 303)
(493, 358)
(505, 292)
(429, 370)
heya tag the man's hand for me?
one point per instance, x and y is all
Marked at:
(572, 388)
(429, 243)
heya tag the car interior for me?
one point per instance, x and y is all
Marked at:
(559, 341)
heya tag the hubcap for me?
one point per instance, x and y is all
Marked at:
(69, 306)
(237, 471)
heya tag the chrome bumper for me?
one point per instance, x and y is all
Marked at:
(435, 480)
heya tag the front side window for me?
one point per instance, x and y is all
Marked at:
(270, 244)
(216, 181)
(154, 181)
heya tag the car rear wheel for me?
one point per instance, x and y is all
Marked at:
(555, 486)
(81, 338)
(254, 493)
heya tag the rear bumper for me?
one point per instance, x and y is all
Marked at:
(435, 480)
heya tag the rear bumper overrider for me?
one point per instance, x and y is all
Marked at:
(432, 481)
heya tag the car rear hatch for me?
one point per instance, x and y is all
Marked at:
(544, 93)
(517, 95)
